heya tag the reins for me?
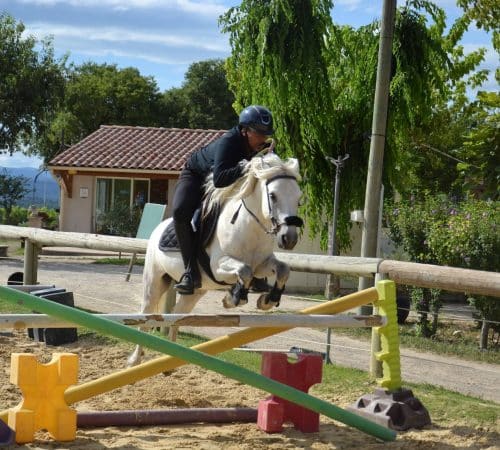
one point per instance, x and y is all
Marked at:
(289, 220)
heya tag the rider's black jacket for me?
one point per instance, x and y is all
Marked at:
(222, 157)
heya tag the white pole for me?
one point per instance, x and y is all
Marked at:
(21, 321)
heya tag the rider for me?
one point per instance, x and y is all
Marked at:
(222, 157)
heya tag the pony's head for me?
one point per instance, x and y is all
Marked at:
(279, 195)
(275, 183)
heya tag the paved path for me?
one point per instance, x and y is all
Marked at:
(103, 288)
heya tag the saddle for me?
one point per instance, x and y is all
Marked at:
(204, 226)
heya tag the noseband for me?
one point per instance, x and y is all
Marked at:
(289, 220)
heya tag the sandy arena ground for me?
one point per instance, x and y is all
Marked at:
(190, 386)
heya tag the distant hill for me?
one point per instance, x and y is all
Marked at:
(45, 192)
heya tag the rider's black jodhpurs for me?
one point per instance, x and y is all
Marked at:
(187, 198)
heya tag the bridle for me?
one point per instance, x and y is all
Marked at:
(276, 224)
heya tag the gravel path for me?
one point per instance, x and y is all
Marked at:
(103, 288)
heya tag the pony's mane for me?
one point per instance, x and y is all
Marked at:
(258, 168)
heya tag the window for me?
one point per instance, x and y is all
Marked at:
(118, 192)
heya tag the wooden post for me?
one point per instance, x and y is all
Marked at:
(30, 262)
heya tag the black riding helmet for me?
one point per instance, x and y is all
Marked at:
(258, 118)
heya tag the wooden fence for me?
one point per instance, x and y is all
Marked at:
(414, 274)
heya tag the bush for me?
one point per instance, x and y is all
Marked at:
(18, 216)
(51, 218)
(470, 238)
(464, 234)
(121, 220)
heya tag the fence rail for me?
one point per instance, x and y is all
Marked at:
(422, 275)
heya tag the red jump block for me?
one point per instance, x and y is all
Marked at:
(274, 411)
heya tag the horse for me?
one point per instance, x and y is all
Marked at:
(255, 212)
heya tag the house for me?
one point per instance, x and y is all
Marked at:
(130, 165)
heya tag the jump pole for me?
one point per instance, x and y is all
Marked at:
(221, 344)
(132, 418)
(21, 321)
(196, 357)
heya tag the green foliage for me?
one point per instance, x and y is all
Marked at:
(486, 15)
(120, 220)
(51, 218)
(460, 234)
(31, 83)
(208, 96)
(18, 216)
(480, 151)
(278, 60)
(468, 236)
(318, 79)
(203, 101)
(100, 94)
(426, 301)
(175, 109)
(12, 189)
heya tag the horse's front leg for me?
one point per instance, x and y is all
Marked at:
(228, 268)
(184, 305)
(282, 271)
(155, 287)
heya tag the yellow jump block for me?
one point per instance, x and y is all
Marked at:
(43, 406)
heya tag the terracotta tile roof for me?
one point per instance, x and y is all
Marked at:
(141, 148)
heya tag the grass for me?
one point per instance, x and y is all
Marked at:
(457, 339)
(445, 407)
(119, 261)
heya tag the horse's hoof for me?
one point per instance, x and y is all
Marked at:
(227, 302)
(264, 304)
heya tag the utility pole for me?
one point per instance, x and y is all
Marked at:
(377, 143)
(332, 287)
(332, 282)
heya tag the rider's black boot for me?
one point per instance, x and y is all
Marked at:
(187, 244)
(186, 285)
(190, 280)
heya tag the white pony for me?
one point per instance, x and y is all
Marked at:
(257, 210)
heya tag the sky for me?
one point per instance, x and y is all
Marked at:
(162, 38)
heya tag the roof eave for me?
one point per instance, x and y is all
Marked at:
(112, 169)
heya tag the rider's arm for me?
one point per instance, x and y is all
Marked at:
(228, 154)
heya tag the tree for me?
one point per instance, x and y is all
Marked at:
(175, 109)
(100, 94)
(31, 84)
(486, 14)
(208, 96)
(203, 101)
(12, 189)
(318, 78)
(437, 230)
(479, 172)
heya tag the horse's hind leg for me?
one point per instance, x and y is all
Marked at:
(154, 290)
(184, 305)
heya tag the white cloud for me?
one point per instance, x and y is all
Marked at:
(19, 160)
(124, 35)
(350, 5)
(204, 8)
